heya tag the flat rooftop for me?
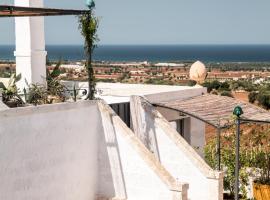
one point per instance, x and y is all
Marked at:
(121, 92)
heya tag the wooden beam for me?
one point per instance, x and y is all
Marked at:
(16, 11)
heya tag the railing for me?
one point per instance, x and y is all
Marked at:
(72, 92)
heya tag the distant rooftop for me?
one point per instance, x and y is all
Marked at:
(119, 92)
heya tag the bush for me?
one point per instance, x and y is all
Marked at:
(254, 154)
(191, 83)
(226, 93)
(264, 99)
(227, 163)
(252, 96)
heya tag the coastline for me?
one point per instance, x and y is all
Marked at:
(155, 53)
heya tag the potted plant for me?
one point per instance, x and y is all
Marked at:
(261, 185)
(55, 89)
(10, 92)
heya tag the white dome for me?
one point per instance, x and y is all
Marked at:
(198, 72)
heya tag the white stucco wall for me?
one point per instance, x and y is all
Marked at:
(135, 171)
(196, 134)
(78, 151)
(2, 105)
(49, 152)
(174, 153)
(194, 130)
(176, 95)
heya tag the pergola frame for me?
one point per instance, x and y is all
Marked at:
(238, 121)
(17, 11)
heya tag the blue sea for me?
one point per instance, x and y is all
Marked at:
(156, 53)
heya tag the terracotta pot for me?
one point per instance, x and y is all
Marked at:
(261, 192)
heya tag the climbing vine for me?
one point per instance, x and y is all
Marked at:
(88, 24)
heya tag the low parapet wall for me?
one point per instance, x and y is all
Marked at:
(49, 152)
(136, 172)
(79, 151)
(174, 153)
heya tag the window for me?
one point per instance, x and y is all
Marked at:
(123, 111)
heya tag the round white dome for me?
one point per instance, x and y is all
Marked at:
(198, 72)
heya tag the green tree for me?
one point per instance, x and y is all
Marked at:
(252, 96)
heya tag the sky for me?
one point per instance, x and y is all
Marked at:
(157, 22)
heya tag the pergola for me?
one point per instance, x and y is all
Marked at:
(30, 52)
(218, 111)
(15, 11)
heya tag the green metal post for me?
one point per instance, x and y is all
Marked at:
(237, 151)
(237, 112)
(218, 150)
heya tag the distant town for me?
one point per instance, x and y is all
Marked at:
(155, 73)
(241, 80)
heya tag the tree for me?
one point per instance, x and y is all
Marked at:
(226, 93)
(264, 100)
(252, 96)
(88, 26)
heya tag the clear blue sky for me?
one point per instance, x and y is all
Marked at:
(160, 22)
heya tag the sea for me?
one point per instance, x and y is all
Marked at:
(155, 53)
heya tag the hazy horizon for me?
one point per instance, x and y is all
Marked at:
(156, 22)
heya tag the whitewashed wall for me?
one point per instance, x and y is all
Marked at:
(194, 129)
(136, 174)
(2, 105)
(174, 153)
(176, 95)
(49, 152)
(78, 151)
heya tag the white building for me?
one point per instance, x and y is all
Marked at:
(85, 151)
(118, 95)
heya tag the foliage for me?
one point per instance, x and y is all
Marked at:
(252, 96)
(243, 85)
(54, 85)
(10, 93)
(262, 96)
(191, 83)
(213, 85)
(254, 154)
(88, 26)
(159, 81)
(52, 92)
(228, 163)
(37, 94)
(226, 93)
(264, 99)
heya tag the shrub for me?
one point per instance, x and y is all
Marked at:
(252, 96)
(226, 93)
(264, 99)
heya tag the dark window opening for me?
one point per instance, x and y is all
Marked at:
(123, 111)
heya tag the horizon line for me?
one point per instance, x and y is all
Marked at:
(203, 44)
